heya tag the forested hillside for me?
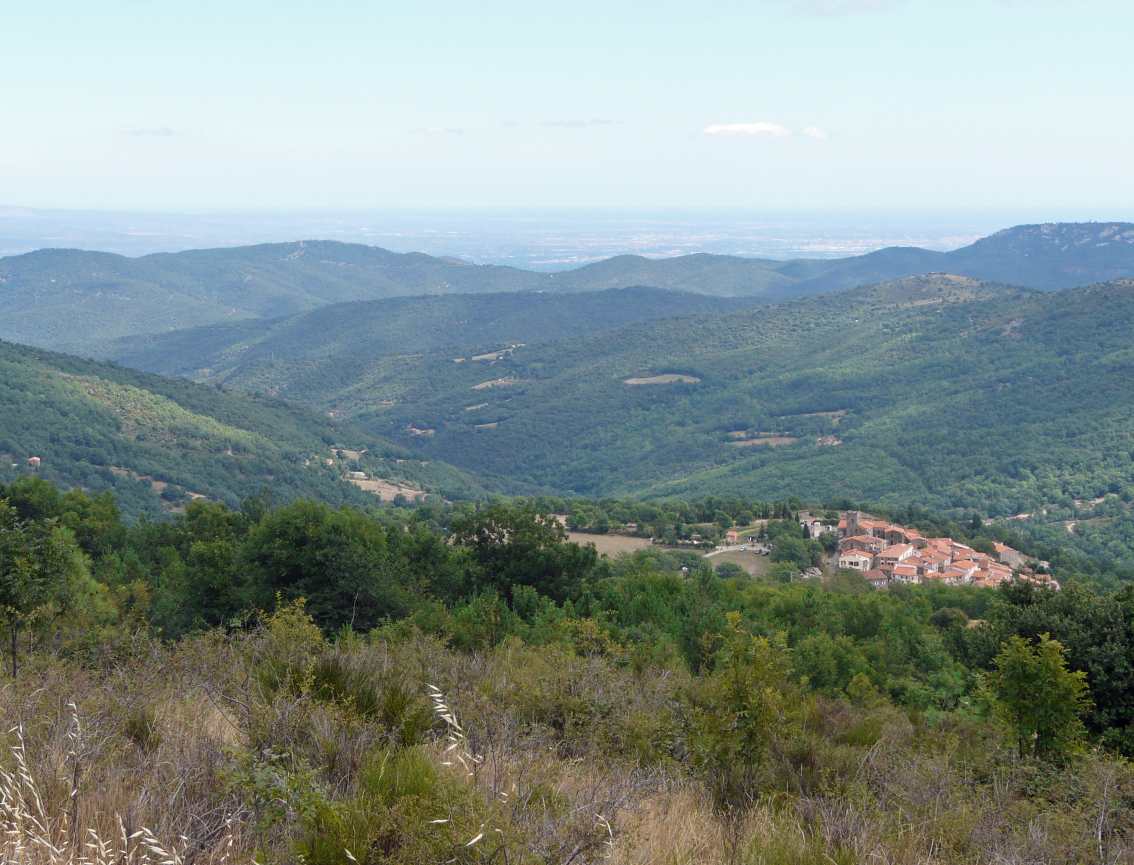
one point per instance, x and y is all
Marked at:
(47, 293)
(941, 391)
(159, 443)
(339, 343)
(79, 301)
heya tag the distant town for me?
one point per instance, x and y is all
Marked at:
(887, 553)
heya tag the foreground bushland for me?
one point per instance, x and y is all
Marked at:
(320, 685)
(285, 746)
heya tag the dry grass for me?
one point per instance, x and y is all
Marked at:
(755, 565)
(189, 755)
(496, 382)
(386, 490)
(34, 830)
(609, 545)
(765, 441)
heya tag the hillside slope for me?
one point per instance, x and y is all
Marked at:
(47, 293)
(159, 442)
(78, 301)
(942, 391)
(339, 342)
(1049, 257)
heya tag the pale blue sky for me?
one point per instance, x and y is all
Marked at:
(845, 104)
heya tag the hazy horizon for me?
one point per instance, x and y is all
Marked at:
(535, 238)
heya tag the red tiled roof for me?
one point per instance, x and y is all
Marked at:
(896, 550)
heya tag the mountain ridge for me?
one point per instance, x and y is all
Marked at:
(78, 301)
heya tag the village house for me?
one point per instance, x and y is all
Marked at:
(895, 555)
(877, 578)
(816, 528)
(856, 560)
(1008, 556)
(867, 543)
(900, 535)
(887, 553)
(904, 574)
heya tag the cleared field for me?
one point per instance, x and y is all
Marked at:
(668, 378)
(765, 441)
(496, 382)
(756, 566)
(349, 453)
(386, 491)
(609, 545)
(833, 416)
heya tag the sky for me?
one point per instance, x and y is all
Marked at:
(811, 105)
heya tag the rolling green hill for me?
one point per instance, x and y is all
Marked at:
(80, 301)
(160, 442)
(942, 391)
(47, 293)
(340, 343)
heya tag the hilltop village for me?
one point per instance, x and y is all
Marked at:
(886, 553)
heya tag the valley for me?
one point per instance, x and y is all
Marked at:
(904, 392)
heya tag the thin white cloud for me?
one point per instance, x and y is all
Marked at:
(755, 129)
(816, 132)
(438, 130)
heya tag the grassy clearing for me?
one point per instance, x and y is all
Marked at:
(765, 441)
(387, 491)
(668, 378)
(609, 545)
(494, 383)
(756, 566)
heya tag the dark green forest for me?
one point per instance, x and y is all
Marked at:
(157, 443)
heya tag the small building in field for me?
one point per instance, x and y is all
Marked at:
(34, 462)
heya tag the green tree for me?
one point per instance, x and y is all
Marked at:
(41, 570)
(1038, 697)
(738, 711)
(515, 545)
(337, 560)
